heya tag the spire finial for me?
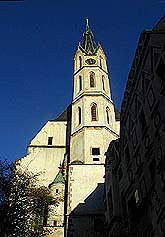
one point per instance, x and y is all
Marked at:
(88, 44)
(87, 23)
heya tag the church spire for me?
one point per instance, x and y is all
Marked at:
(88, 45)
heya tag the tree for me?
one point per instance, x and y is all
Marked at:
(25, 203)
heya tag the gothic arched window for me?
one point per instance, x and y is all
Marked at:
(108, 114)
(79, 115)
(94, 112)
(80, 83)
(92, 79)
(103, 82)
(80, 62)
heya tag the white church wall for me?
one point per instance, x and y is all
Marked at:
(44, 159)
(84, 195)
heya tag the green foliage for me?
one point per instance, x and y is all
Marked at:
(24, 204)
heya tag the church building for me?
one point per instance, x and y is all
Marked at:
(69, 151)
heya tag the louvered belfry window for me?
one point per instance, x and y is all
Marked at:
(92, 79)
(94, 112)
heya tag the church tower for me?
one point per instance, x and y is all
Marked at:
(78, 139)
(93, 126)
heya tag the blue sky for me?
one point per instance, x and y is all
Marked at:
(37, 44)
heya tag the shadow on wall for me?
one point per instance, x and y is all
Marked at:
(87, 219)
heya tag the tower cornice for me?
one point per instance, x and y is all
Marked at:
(86, 66)
(82, 128)
(94, 93)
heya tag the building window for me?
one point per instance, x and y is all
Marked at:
(55, 223)
(94, 112)
(50, 140)
(80, 83)
(79, 115)
(92, 79)
(96, 151)
(108, 114)
(103, 82)
(56, 190)
(95, 159)
(80, 62)
(100, 61)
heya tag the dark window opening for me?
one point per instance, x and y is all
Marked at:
(95, 159)
(80, 62)
(107, 112)
(95, 151)
(79, 115)
(100, 61)
(80, 83)
(56, 190)
(55, 223)
(50, 140)
(103, 82)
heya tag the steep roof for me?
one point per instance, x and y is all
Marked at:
(62, 116)
(65, 115)
(58, 179)
(88, 45)
(160, 26)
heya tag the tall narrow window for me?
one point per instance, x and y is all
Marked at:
(80, 62)
(103, 82)
(107, 112)
(100, 61)
(79, 115)
(94, 112)
(50, 140)
(80, 83)
(92, 79)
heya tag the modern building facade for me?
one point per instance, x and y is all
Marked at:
(69, 152)
(135, 163)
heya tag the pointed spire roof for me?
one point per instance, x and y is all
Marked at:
(59, 177)
(88, 44)
(160, 26)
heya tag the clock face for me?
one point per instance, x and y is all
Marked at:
(90, 61)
